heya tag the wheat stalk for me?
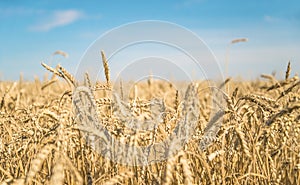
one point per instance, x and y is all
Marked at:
(288, 71)
(36, 164)
(62, 53)
(106, 67)
(119, 178)
(57, 177)
(54, 71)
(188, 175)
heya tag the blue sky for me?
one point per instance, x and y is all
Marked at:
(30, 31)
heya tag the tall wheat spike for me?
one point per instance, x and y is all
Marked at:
(52, 70)
(106, 67)
(288, 71)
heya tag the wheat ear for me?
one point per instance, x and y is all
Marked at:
(106, 67)
(288, 71)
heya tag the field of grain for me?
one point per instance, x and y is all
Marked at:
(255, 139)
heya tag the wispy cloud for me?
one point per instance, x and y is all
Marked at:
(58, 19)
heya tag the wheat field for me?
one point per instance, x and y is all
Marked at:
(254, 140)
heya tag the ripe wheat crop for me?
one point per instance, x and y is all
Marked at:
(253, 139)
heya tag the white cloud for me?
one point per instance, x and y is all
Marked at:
(58, 19)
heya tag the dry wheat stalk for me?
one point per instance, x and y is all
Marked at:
(106, 67)
(67, 162)
(211, 130)
(239, 40)
(254, 99)
(288, 71)
(86, 112)
(234, 94)
(188, 175)
(176, 102)
(121, 90)
(281, 113)
(227, 80)
(169, 171)
(118, 179)
(54, 71)
(283, 83)
(269, 77)
(288, 90)
(99, 86)
(57, 177)
(36, 164)
(62, 53)
(243, 141)
(213, 155)
(7, 91)
(87, 80)
(48, 83)
(66, 75)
